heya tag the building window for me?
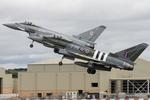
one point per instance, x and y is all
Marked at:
(113, 86)
(135, 86)
(80, 91)
(124, 86)
(130, 86)
(48, 94)
(94, 84)
(39, 95)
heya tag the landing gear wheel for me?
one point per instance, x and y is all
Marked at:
(31, 45)
(56, 50)
(60, 63)
(91, 70)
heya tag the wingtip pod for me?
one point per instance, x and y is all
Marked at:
(145, 45)
(102, 26)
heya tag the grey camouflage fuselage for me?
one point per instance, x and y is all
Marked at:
(73, 47)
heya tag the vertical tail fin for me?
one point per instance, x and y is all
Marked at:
(133, 52)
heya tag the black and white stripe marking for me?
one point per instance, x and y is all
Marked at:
(101, 56)
(95, 53)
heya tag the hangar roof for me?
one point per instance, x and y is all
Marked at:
(2, 67)
(54, 61)
(67, 61)
(141, 69)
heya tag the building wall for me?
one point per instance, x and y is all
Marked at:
(52, 78)
(58, 82)
(7, 81)
(54, 68)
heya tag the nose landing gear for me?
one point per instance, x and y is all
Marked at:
(31, 45)
(61, 63)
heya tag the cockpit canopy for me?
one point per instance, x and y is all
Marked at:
(29, 23)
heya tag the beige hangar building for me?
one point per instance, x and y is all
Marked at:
(47, 77)
(6, 82)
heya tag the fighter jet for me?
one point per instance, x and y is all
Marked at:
(82, 47)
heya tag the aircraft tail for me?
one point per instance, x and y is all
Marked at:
(132, 53)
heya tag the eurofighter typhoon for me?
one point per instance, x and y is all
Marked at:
(82, 47)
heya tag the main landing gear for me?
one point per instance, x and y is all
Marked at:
(91, 69)
(31, 45)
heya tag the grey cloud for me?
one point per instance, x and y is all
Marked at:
(127, 24)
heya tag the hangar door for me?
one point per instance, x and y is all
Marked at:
(130, 86)
(1, 85)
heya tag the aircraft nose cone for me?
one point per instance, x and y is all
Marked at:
(10, 26)
(13, 26)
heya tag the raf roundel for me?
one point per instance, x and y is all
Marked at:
(91, 33)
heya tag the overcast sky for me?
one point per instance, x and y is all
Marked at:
(127, 22)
